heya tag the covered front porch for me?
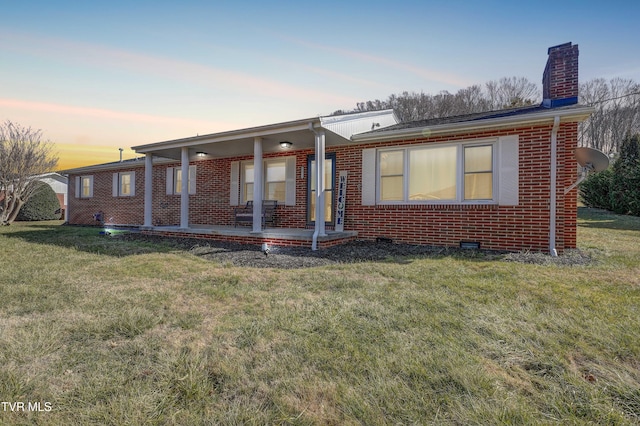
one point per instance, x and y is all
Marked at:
(252, 146)
(280, 237)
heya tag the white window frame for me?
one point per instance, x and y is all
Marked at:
(80, 187)
(172, 180)
(117, 184)
(265, 162)
(493, 142)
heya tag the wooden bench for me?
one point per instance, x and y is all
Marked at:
(244, 214)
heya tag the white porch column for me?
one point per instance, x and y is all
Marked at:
(257, 184)
(148, 189)
(184, 189)
(320, 217)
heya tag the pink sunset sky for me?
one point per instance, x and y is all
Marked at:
(97, 77)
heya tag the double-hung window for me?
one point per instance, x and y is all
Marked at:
(124, 184)
(478, 172)
(275, 180)
(450, 173)
(84, 186)
(174, 180)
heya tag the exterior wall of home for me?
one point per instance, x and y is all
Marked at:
(521, 227)
(115, 210)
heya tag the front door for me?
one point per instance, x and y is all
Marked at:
(329, 182)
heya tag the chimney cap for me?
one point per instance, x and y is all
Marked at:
(559, 47)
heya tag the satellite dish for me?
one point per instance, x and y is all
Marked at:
(592, 159)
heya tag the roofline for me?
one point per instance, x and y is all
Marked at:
(574, 114)
(267, 130)
(258, 131)
(115, 166)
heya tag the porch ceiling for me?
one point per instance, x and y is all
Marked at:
(233, 145)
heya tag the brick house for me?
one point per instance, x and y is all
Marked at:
(496, 179)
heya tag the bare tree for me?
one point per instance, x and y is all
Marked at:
(616, 115)
(511, 92)
(23, 155)
(507, 92)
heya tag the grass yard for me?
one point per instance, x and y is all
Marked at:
(95, 330)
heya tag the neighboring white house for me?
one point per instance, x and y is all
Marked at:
(59, 185)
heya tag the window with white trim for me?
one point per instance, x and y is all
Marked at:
(450, 173)
(177, 180)
(478, 172)
(84, 187)
(275, 180)
(174, 180)
(124, 184)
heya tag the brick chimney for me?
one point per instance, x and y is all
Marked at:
(560, 78)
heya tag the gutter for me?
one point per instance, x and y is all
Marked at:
(552, 201)
(139, 162)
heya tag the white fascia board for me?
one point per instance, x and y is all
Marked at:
(115, 166)
(566, 116)
(330, 119)
(348, 125)
(248, 133)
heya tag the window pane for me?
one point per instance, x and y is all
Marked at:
(391, 163)
(276, 172)
(275, 191)
(248, 173)
(391, 188)
(478, 168)
(178, 181)
(312, 175)
(125, 184)
(432, 173)
(86, 187)
(328, 210)
(478, 159)
(328, 174)
(248, 192)
(478, 186)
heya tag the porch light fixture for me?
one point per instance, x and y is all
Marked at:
(285, 144)
(201, 154)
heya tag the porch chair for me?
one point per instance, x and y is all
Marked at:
(244, 214)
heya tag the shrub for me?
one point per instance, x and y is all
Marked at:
(43, 205)
(595, 190)
(625, 182)
(617, 188)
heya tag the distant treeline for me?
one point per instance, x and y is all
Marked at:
(616, 103)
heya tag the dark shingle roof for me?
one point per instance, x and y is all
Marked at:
(468, 117)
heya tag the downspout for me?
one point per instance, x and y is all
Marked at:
(316, 232)
(554, 173)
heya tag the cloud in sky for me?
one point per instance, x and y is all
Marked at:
(102, 113)
(428, 74)
(190, 72)
(99, 113)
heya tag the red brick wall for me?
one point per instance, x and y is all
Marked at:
(560, 77)
(117, 210)
(522, 227)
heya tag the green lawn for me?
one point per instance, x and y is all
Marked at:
(104, 331)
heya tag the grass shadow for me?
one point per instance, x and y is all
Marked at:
(604, 219)
(84, 238)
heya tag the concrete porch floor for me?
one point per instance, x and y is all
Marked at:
(245, 235)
